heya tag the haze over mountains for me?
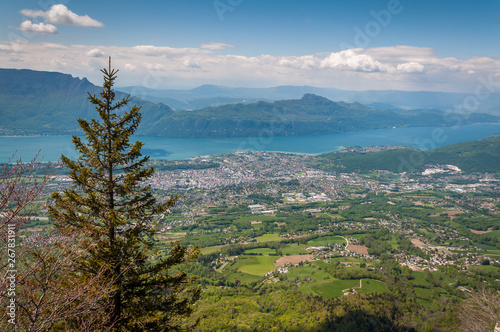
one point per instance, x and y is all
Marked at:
(213, 95)
(34, 102)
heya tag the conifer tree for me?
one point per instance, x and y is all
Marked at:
(118, 216)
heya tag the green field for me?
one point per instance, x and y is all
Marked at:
(304, 272)
(351, 261)
(486, 247)
(244, 278)
(259, 217)
(295, 249)
(494, 233)
(322, 264)
(489, 268)
(335, 288)
(372, 286)
(423, 292)
(334, 216)
(269, 238)
(209, 250)
(255, 265)
(358, 236)
(419, 279)
(348, 260)
(327, 288)
(262, 251)
(326, 240)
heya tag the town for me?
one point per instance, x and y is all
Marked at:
(278, 186)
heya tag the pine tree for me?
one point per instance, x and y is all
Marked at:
(118, 215)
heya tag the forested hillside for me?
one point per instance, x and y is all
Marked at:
(48, 103)
(472, 156)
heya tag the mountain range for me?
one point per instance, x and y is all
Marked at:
(213, 95)
(48, 103)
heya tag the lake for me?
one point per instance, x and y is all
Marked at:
(425, 138)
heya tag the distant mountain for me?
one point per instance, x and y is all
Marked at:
(216, 91)
(309, 115)
(33, 102)
(212, 95)
(36, 102)
(472, 156)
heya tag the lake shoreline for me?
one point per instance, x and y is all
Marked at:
(162, 148)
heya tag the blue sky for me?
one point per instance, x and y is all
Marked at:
(405, 44)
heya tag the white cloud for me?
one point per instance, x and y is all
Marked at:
(95, 53)
(168, 67)
(190, 63)
(60, 14)
(411, 67)
(215, 46)
(41, 28)
(151, 50)
(6, 48)
(351, 61)
(401, 53)
(130, 67)
(303, 62)
(154, 66)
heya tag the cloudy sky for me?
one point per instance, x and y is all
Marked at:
(360, 45)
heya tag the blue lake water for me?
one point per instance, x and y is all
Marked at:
(51, 147)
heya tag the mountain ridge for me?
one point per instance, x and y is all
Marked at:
(387, 99)
(49, 103)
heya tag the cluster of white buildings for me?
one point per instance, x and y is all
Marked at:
(302, 198)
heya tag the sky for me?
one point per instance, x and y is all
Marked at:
(426, 45)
